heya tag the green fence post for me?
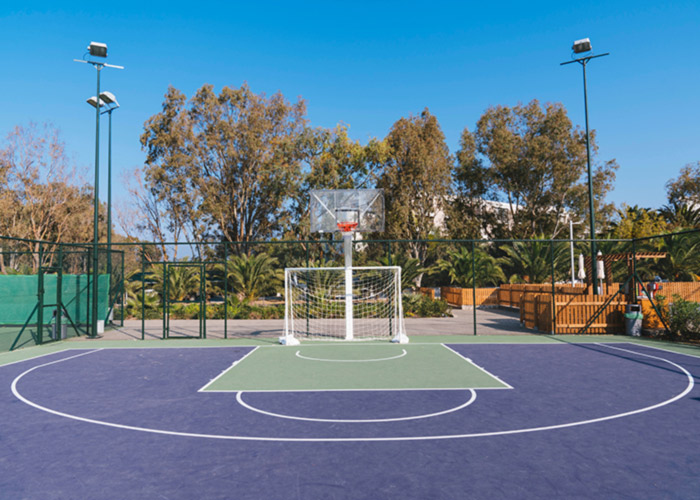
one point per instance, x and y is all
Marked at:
(166, 302)
(122, 293)
(40, 298)
(634, 272)
(474, 285)
(88, 292)
(203, 302)
(59, 293)
(225, 290)
(143, 292)
(554, 290)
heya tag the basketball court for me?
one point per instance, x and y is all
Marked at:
(441, 417)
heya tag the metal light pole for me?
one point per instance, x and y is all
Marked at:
(581, 46)
(96, 49)
(110, 103)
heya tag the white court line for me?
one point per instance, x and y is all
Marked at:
(202, 389)
(43, 355)
(675, 398)
(298, 355)
(239, 398)
(508, 386)
(696, 356)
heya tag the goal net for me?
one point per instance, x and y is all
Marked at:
(338, 303)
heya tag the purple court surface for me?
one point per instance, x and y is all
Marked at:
(612, 421)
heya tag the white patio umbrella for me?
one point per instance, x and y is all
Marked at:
(601, 271)
(581, 268)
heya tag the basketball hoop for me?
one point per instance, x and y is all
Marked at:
(347, 227)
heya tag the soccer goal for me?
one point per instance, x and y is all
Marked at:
(338, 303)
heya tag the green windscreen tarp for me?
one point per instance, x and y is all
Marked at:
(18, 297)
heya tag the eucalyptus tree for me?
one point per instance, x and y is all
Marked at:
(41, 196)
(225, 165)
(332, 160)
(686, 187)
(416, 180)
(531, 157)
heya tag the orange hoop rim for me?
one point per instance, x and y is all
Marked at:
(346, 227)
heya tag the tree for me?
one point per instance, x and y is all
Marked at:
(225, 165)
(636, 222)
(682, 261)
(458, 267)
(38, 197)
(183, 282)
(466, 215)
(410, 268)
(686, 188)
(531, 261)
(679, 215)
(532, 158)
(333, 161)
(416, 180)
(252, 275)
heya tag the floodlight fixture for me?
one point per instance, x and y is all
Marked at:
(583, 45)
(97, 49)
(109, 98)
(92, 101)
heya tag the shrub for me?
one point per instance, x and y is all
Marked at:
(684, 318)
(422, 306)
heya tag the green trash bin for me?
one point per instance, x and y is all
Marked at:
(633, 320)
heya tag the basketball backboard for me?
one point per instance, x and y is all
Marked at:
(328, 207)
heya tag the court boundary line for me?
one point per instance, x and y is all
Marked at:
(265, 346)
(696, 356)
(689, 387)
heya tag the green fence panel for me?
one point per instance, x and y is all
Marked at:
(18, 294)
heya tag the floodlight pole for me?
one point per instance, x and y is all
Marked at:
(95, 235)
(95, 257)
(583, 61)
(109, 193)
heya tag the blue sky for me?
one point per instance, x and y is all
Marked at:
(367, 64)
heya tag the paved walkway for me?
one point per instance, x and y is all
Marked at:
(488, 322)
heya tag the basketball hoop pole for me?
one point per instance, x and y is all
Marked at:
(347, 250)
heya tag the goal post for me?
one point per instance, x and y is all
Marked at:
(341, 303)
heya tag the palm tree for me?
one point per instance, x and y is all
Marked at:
(682, 261)
(410, 268)
(252, 275)
(458, 266)
(681, 215)
(183, 282)
(531, 261)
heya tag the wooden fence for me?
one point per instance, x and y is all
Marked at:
(686, 290)
(465, 296)
(575, 305)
